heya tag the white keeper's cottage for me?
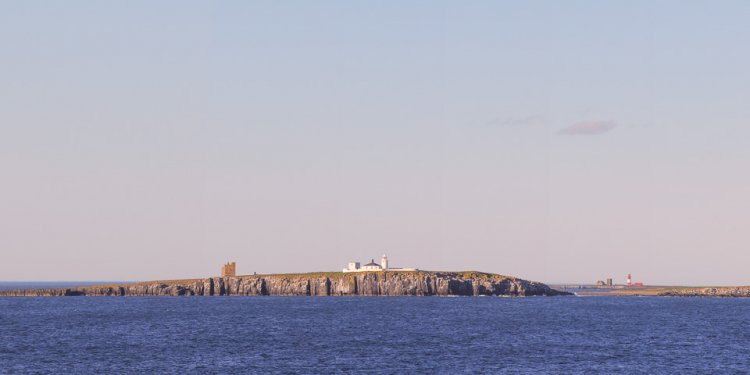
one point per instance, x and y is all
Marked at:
(374, 267)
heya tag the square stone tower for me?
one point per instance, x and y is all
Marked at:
(229, 269)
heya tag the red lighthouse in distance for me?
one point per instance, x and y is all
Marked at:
(629, 281)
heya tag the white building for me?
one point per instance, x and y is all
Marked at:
(374, 267)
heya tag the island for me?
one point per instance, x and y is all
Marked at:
(723, 291)
(366, 283)
(669, 291)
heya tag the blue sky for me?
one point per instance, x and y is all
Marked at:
(561, 142)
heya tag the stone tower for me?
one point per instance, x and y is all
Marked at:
(384, 262)
(229, 269)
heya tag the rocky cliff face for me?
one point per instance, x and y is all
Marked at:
(738, 291)
(420, 283)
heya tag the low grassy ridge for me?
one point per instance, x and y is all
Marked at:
(306, 274)
(166, 282)
(462, 274)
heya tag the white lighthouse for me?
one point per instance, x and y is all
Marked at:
(384, 262)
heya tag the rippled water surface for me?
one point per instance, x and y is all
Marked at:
(374, 335)
(11, 285)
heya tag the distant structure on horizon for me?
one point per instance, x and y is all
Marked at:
(629, 282)
(229, 269)
(374, 267)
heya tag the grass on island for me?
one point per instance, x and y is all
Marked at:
(304, 274)
(166, 282)
(462, 274)
(644, 291)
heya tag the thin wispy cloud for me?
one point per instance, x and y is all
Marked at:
(517, 121)
(588, 128)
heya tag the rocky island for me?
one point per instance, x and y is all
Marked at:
(725, 291)
(383, 283)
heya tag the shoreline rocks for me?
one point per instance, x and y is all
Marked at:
(734, 291)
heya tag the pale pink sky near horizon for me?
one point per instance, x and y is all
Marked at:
(558, 143)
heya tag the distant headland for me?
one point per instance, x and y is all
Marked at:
(365, 282)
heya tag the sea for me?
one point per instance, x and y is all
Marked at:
(11, 285)
(374, 335)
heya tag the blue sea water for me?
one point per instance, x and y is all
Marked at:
(11, 285)
(374, 335)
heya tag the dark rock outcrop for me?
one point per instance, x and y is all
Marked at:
(727, 291)
(417, 283)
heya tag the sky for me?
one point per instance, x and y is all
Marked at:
(554, 141)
